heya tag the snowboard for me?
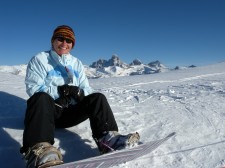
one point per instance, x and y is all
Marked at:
(117, 157)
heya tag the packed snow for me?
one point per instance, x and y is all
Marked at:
(189, 102)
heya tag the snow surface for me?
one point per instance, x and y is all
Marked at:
(189, 102)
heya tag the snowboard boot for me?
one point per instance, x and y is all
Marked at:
(43, 155)
(112, 141)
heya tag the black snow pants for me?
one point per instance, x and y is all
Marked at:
(42, 117)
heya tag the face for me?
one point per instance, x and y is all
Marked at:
(62, 46)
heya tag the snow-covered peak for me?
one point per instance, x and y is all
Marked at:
(114, 61)
(116, 67)
(136, 62)
(16, 69)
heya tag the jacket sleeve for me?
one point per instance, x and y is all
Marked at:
(35, 79)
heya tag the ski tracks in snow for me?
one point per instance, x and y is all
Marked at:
(140, 84)
(194, 101)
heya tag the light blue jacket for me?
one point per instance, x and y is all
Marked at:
(47, 70)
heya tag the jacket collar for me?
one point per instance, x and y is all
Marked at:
(64, 59)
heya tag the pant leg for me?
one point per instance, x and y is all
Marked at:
(39, 120)
(95, 107)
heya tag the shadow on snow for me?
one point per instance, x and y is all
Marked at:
(12, 111)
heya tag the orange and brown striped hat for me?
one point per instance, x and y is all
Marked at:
(64, 31)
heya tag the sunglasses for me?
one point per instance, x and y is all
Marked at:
(62, 39)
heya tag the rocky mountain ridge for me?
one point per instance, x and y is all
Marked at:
(114, 67)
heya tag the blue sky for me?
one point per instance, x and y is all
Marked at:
(175, 32)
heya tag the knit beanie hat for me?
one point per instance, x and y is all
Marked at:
(64, 31)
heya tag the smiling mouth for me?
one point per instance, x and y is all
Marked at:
(62, 48)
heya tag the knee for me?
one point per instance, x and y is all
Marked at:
(40, 96)
(99, 95)
(96, 97)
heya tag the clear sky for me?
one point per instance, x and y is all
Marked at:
(175, 32)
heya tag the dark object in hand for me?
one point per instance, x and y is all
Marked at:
(64, 90)
(76, 93)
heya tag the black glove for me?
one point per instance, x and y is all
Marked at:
(76, 93)
(64, 90)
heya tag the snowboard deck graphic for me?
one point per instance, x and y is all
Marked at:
(117, 157)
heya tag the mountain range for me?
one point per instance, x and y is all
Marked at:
(113, 67)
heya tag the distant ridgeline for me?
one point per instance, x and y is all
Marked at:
(113, 67)
(116, 67)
